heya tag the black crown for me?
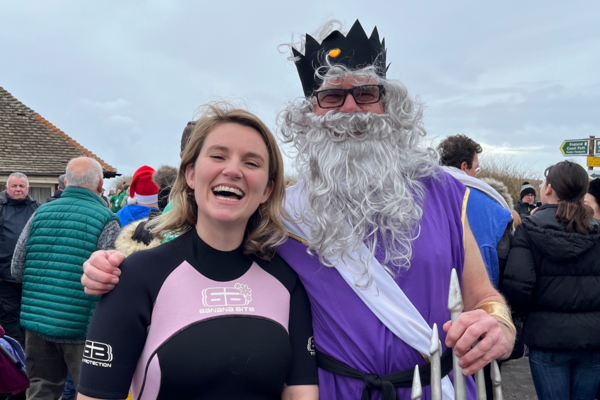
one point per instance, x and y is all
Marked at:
(354, 51)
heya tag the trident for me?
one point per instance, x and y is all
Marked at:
(455, 306)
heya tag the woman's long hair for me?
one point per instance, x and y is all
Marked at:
(265, 231)
(570, 182)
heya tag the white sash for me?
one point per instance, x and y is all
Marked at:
(383, 297)
(478, 184)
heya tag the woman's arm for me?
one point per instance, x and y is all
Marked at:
(300, 392)
(118, 330)
(303, 377)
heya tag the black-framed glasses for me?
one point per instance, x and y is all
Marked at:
(334, 98)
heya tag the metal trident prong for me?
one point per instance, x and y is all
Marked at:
(496, 380)
(436, 365)
(417, 389)
(456, 306)
(480, 385)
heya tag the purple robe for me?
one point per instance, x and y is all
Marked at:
(346, 329)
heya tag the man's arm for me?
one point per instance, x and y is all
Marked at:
(17, 267)
(496, 338)
(101, 272)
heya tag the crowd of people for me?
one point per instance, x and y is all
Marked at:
(217, 282)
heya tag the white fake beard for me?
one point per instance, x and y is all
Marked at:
(362, 175)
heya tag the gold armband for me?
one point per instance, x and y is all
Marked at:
(501, 311)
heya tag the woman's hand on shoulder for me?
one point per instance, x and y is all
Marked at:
(101, 272)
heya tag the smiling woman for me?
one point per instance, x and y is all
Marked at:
(213, 313)
(237, 148)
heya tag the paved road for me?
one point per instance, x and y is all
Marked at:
(516, 380)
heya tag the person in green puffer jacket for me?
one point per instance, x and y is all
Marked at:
(48, 259)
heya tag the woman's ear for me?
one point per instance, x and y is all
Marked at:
(190, 174)
(267, 193)
(548, 190)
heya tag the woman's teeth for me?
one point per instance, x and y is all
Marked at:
(228, 193)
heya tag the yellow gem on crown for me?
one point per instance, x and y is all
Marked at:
(333, 53)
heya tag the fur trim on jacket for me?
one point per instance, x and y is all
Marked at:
(501, 188)
(127, 245)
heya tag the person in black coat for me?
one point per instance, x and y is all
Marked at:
(16, 207)
(58, 192)
(527, 202)
(553, 278)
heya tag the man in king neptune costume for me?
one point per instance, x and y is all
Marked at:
(374, 207)
(376, 228)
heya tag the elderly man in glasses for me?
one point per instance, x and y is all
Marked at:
(376, 228)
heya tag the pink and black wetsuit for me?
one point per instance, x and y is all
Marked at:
(187, 321)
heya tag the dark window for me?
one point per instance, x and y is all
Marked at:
(40, 193)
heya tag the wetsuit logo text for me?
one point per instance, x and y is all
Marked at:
(311, 345)
(97, 354)
(227, 299)
(238, 295)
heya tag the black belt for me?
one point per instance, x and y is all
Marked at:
(387, 384)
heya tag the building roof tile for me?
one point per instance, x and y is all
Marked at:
(31, 144)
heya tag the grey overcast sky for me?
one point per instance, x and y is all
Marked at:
(123, 77)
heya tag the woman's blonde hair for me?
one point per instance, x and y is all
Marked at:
(264, 231)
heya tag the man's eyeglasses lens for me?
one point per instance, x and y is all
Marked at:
(333, 98)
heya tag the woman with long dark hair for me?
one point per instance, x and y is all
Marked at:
(553, 279)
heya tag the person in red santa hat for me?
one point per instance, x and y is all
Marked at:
(144, 197)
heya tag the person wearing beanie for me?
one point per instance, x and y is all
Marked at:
(145, 192)
(592, 197)
(527, 202)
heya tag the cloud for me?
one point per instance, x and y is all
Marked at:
(123, 78)
(108, 106)
(509, 149)
(122, 120)
(526, 113)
